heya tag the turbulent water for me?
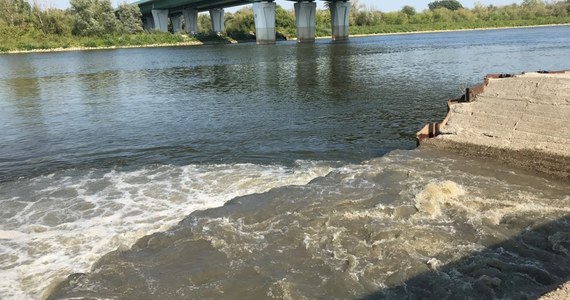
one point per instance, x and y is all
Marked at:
(410, 224)
(99, 149)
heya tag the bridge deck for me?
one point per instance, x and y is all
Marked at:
(147, 6)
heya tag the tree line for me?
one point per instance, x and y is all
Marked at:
(29, 25)
(444, 14)
(83, 18)
(453, 11)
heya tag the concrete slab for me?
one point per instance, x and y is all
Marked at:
(522, 120)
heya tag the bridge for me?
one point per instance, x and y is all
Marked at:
(157, 12)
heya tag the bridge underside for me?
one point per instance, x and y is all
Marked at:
(146, 7)
(157, 12)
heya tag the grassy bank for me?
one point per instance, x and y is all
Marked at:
(27, 26)
(15, 40)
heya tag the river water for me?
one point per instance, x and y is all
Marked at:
(314, 144)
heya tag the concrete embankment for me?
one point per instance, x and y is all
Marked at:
(521, 120)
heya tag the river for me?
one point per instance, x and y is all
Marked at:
(310, 147)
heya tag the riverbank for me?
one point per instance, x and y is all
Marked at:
(459, 30)
(520, 120)
(189, 41)
(104, 48)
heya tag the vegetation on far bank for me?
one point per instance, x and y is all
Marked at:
(441, 15)
(95, 23)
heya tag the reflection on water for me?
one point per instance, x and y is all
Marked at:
(332, 101)
(23, 91)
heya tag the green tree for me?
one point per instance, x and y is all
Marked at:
(355, 6)
(408, 10)
(130, 17)
(15, 12)
(355, 9)
(560, 9)
(241, 22)
(93, 17)
(52, 21)
(323, 20)
(528, 3)
(395, 18)
(205, 23)
(463, 15)
(534, 8)
(449, 4)
(284, 20)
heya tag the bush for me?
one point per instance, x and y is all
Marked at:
(89, 43)
(448, 4)
(93, 18)
(130, 18)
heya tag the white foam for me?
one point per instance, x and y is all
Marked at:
(62, 224)
(10, 234)
(435, 195)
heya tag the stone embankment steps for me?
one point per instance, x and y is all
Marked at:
(522, 120)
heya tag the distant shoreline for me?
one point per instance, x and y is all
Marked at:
(50, 50)
(459, 30)
(198, 43)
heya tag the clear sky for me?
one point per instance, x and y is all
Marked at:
(383, 5)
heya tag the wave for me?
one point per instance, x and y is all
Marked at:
(62, 223)
(363, 229)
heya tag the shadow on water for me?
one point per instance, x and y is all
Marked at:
(212, 38)
(523, 267)
(235, 37)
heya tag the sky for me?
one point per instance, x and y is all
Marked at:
(383, 5)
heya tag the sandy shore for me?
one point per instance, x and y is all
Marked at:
(197, 43)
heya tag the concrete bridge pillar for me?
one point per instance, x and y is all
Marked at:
(340, 13)
(264, 16)
(217, 17)
(306, 21)
(191, 19)
(176, 23)
(160, 19)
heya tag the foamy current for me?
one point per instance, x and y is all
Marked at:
(412, 224)
(55, 225)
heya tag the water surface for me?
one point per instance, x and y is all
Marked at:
(99, 148)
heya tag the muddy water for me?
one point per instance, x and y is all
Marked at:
(409, 224)
(101, 148)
